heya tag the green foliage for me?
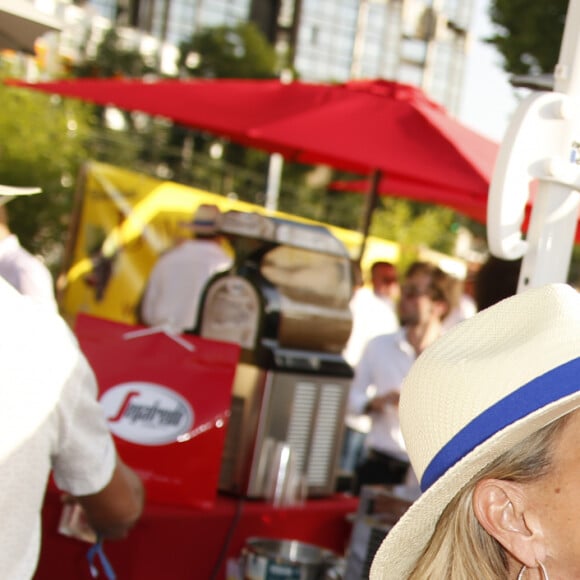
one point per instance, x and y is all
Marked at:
(43, 144)
(113, 60)
(241, 51)
(414, 224)
(344, 209)
(529, 35)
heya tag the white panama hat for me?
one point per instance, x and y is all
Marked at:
(206, 220)
(7, 192)
(480, 389)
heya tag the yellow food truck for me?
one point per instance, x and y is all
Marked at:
(123, 220)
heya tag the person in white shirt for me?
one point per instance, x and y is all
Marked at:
(51, 422)
(384, 364)
(177, 281)
(374, 312)
(18, 267)
(373, 309)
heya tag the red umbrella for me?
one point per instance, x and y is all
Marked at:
(471, 204)
(377, 127)
(223, 106)
(361, 126)
(364, 126)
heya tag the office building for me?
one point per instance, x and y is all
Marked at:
(421, 42)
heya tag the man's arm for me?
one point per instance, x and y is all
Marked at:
(377, 404)
(363, 378)
(114, 510)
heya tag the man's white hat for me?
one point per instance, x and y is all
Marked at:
(480, 389)
(206, 221)
(8, 192)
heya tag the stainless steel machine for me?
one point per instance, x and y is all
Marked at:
(285, 302)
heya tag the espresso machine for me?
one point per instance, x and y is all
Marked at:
(285, 302)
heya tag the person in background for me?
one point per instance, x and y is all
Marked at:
(51, 421)
(178, 279)
(384, 364)
(373, 311)
(19, 267)
(491, 420)
(462, 304)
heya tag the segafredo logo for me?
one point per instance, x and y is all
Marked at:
(147, 413)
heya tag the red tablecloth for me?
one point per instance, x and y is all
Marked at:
(185, 543)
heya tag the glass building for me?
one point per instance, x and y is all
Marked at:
(420, 42)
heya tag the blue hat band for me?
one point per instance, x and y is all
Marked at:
(538, 393)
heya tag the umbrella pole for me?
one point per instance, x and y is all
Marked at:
(274, 179)
(371, 203)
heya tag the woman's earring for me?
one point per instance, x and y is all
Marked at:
(542, 570)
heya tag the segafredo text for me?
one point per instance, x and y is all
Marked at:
(147, 413)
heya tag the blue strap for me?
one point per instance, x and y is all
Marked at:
(97, 550)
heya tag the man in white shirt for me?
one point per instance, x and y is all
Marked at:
(19, 267)
(384, 364)
(374, 312)
(373, 309)
(51, 421)
(177, 281)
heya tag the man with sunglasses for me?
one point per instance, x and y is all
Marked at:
(374, 312)
(385, 362)
(373, 309)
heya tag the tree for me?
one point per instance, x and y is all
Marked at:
(241, 51)
(529, 34)
(112, 59)
(43, 144)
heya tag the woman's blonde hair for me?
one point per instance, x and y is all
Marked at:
(459, 547)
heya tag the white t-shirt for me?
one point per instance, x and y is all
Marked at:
(464, 310)
(25, 272)
(177, 281)
(372, 316)
(383, 366)
(49, 418)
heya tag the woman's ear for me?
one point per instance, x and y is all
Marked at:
(501, 509)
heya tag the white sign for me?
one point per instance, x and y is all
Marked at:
(147, 413)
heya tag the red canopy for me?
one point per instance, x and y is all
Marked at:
(362, 126)
(473, 205)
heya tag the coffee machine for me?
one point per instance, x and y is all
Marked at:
(286, 303)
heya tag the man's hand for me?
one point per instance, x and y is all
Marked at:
(377, 404)
(115, 509)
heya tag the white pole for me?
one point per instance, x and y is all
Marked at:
(275, 166)
(542, 143)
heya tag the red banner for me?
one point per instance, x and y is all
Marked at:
(167, 399)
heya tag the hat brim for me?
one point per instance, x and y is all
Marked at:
(10, 191)
(400, 550)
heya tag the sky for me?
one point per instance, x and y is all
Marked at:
(488, 101)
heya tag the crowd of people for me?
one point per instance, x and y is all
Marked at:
(394, 321)
(479, 409)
